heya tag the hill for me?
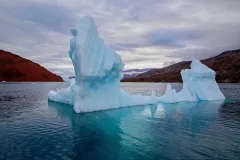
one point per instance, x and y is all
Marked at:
(14, 68)
(129, 73)
(226, 65)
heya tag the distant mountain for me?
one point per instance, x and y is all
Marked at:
(14, 68)
(226, 65)
(130, 73)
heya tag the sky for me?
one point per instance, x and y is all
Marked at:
(146, 33)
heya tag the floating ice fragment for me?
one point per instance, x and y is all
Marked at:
(198, 84)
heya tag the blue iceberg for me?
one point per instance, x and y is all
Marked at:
(98, 71)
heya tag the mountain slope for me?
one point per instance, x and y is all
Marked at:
(226, 65)
(14, 68)
(129, 73)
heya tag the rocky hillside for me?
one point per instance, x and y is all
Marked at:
(14, 68)
(226, 65)
(129, 73)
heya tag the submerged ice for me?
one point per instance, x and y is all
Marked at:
(98, 71)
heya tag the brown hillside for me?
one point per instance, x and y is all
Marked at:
(14, 68)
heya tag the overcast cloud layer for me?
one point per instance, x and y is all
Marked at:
(146, 33)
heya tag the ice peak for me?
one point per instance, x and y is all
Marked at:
(198, 67)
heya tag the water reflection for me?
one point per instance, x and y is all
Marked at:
(97, 134)
(194, 117)
(166, 131)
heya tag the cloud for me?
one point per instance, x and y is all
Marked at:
(55, 17)
(146, 33)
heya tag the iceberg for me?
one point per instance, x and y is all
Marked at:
(204, 83)
(199, 84)
(98, 71)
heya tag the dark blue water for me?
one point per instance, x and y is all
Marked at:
(33, 128)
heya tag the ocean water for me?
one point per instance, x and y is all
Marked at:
(31, 127)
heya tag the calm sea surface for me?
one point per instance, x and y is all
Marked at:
(31, 127)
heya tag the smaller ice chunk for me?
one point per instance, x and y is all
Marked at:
(169, 96)
(198, 84)
(187, 93)
(204, 83)
(65, 95)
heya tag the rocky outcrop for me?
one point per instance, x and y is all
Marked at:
(14, 68)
